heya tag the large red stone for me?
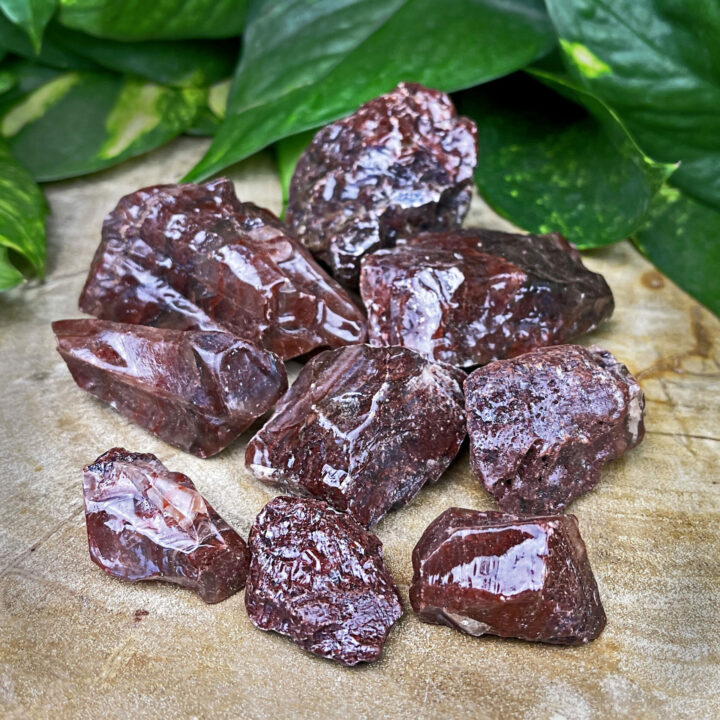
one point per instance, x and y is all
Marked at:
(467, 297)
(317, 577)
(147, 523)
(401, 163)
(194, 256)
(364, 429)
(543, 424)
(196, 390)
(487, 572)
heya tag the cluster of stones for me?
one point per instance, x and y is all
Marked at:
(198, 299)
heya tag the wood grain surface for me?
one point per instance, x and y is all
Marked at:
(75, 643)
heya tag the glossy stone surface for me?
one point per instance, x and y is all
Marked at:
(364, 429)
(194, 256)
(147, 523)
(319, 578)
(542, 425)
(467, 297)
(196, 390)
(401, 163)
(491, 573)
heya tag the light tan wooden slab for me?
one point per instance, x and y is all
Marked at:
(77, 644)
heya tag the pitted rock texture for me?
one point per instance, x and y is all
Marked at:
(401, 163)
(194, 256)
(364, 429)
(543, 424)
(147, 523)
(467, 297)
(196, 390)
(491, 573)
(319, 578)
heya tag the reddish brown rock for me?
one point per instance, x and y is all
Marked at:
(195, 390)
(467, 297)
(147, 523)
(319, 578)
(543, 424)
(401, 163)
(364, 429)
(491, 573)
(195, 257)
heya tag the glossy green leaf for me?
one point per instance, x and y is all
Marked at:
(155, 19)
(287, 153)
(306, 64)
(8, 80)
(14, 40)
(177, 63)
(681, 239)
(546, 164)
(31, 15)
(657, 63)
(81, 122)
(22, 222)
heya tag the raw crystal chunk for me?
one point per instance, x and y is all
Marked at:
(319, 578)
(487, 572)
(467, 297)
(147, 523)
(401, 163)
(194, 256)
(364, 429)
(196, 390)
(543, 424)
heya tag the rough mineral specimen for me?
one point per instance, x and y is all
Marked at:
(467, 297)
(194, 256)
(319, 578)
(487, 572)
(402, 163)
(147, 523)
(543, 424)
(196, 390)
(363, 428)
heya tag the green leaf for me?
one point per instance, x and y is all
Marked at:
(546, 164)
(14, 40)
(22, 222)
(287, 153)
(31, 15)
(657, 63)
(681, 239)
(10, 276)
(155, 19)
(177, 63)
(306, 64)
(78, 123)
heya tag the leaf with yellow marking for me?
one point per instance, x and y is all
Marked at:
(78, 123)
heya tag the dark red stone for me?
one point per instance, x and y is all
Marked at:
(467, 297)
(196, 390)
(194, 256)
(491, 573)
(543, 424)
(364, 429)
(147, 523)
(319, 578)
(401, 163)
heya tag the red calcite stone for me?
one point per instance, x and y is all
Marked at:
(467, 297)
(491, 573)
(543, 424)
(196, 390)
(319, 578)
(401, 163)
(364, 429)
(195, 257)
(147, 523)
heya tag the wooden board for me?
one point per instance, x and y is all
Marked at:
(75, 643)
